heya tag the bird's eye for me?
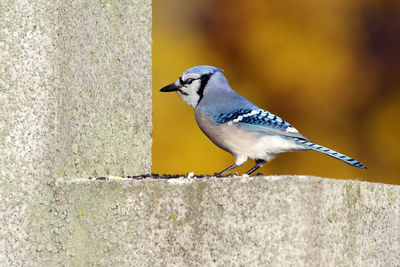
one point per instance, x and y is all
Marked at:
(189, 81)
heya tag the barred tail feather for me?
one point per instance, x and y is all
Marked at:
(330, 152)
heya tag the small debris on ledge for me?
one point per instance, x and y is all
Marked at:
(173, 176)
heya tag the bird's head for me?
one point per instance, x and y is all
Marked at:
(191, 84)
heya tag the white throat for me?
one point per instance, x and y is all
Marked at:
(189, 93)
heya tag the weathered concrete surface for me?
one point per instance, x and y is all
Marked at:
(104, 101)
(260, 221)
(75, 101)
(76, 86)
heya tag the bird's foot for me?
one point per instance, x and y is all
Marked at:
(218, 174)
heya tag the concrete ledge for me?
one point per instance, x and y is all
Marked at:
(282, 220)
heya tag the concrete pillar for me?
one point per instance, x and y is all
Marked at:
(75, 94)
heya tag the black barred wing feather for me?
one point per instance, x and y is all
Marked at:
(258, 120)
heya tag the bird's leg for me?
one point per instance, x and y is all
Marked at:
(259, 164)
(227, 169)
(240, 159)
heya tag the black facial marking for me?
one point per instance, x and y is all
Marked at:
(203, 82)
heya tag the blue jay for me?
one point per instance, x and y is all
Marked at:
(238, 126)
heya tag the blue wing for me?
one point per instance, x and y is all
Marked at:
(258, 120)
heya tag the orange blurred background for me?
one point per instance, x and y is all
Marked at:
(330, 68)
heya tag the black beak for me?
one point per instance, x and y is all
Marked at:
(170, 88)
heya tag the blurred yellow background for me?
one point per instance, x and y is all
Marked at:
(329, 68)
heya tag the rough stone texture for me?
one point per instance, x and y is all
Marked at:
(260, 221)
(104, 100)
(76, 86)
(75, 101)
(75, 94)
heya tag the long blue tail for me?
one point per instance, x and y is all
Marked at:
(329, 152)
